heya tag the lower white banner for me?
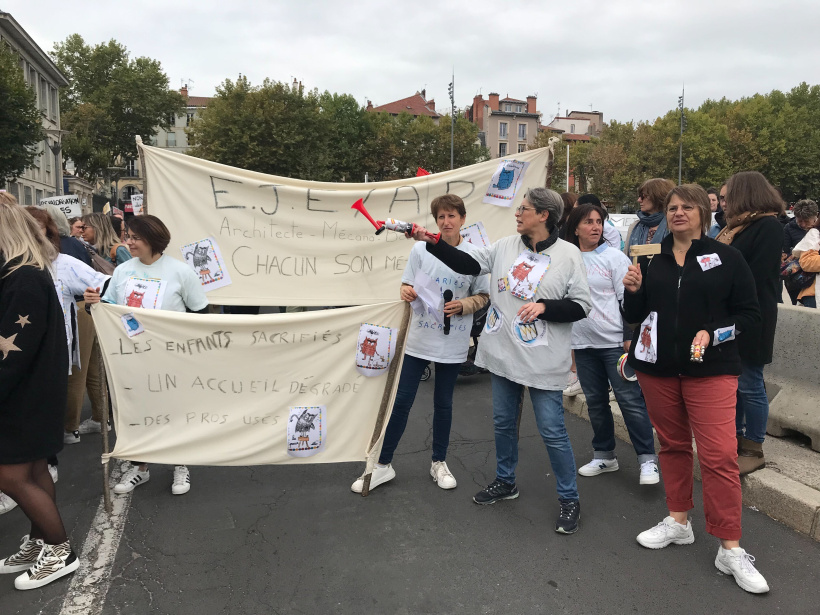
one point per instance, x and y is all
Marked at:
(201, 389)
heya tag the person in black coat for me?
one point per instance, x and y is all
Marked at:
(752, 210)
(33, 375)
(694, 301)
(805, 217)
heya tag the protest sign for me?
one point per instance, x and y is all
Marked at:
(292, 242)
(136, 204)
(69, 204)
(229, 390)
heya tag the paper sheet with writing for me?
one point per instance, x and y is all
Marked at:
(429, 300)
(212, 389)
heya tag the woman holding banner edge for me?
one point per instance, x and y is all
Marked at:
(147, 238)
(428, 342)
(538, 289)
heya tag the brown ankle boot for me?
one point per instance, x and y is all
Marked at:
(750, 457)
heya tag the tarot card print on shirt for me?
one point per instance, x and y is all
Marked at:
(144, 293)
(374, 349)
(709, 261)
(647, 347)
(206, 259)
(526, 274)
(307, 430)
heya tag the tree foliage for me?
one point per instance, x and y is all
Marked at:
(111, 98)
(20, 125)
(776, 134)
(292, 132)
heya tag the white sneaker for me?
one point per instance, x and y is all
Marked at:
(649, 473)
(442, 476)
(573, 386)
(89, 425)
(54, 562)
(6, 503)
(71, 437)
(131, 479)
(741, 565)
(24, 559)
(182, 480)
(598, 466)
(380, 476)
(54, 474)
(667, 532)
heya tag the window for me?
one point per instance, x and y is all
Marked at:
(131, 168)
(572, 129)
(53, 103)
(190, 119)
(44, 96)
(522, 147)
(127, 192)
(172, 119)
(518, 108)
(27, 195)
(507, 107)
(522, 132)
(47, 155)
(39, 195)
(502, 130)
(15, 190)
(172, 139)
(502, 150)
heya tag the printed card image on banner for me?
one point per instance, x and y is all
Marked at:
(476, 234)
(144, 293)
(505, 182)
(647, 347)
(132, 325)
(530, 333)
(526, 274)
(494, 321)
(307, 430)
(206, 259)
(375, 349)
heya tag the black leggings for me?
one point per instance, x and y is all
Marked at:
(30, 485)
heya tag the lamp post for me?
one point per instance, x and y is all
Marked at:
(682, 128)
(451, 89)
(115, 194)
(56, 148)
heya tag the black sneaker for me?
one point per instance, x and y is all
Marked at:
(497, 490)
(569, 516)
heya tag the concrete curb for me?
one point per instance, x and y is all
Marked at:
(783, 499)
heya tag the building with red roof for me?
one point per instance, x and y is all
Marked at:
(416, 105)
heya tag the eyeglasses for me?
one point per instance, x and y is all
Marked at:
(688, 208)
(521, 209)
(82, 227)
(641, 196)
(133, 238)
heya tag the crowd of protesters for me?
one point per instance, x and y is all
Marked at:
(678, 337)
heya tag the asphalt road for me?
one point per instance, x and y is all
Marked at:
(294, 539)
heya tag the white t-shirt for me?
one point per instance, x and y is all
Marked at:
(181, 287)
(426, 339)
(540, 366)
(603, 326)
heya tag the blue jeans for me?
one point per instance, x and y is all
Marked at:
(752, 404)
(597, 368)
(809, 302)
(445, 382)
(549, 416)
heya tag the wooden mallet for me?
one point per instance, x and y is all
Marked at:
(649, 249)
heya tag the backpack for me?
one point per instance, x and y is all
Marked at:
(793, 276)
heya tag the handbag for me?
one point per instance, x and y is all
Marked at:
(98, 263)
(793, 276)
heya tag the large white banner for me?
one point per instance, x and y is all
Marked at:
(203, 389)
(284, 241)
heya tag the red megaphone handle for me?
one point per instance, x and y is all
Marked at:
(359, 206)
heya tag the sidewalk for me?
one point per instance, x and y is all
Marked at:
(787, 489)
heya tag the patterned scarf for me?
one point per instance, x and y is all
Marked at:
(646, 222)
(739, 223)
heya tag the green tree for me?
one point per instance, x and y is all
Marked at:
(20, 125)
(111, 99)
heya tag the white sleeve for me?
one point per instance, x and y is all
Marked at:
(413, 264)
(612, 236)
(620, 265)
(192, 294)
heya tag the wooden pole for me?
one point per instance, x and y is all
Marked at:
(104, 430)
(391, 377)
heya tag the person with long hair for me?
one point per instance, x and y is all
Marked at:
(692, 302)
(598, 341)
(650, 227)
(752, 208)
(33, 374)
(428, 342)
(100, 234)
(147, 238)
(538, 289)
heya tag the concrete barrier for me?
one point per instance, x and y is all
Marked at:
(793, 378)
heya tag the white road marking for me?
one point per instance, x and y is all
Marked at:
(89, 585)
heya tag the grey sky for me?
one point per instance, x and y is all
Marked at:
(628, 58)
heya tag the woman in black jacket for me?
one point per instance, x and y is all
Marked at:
(33, 373)
(752, 207)
(693, 300)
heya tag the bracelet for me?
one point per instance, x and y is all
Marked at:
(696, 352)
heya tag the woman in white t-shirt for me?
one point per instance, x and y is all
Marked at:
(598, 342)
(155, 281)
(429, 341)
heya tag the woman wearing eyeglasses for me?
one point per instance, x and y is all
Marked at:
(147, 238)
(694, 301)
(650, 227)
(538, 289)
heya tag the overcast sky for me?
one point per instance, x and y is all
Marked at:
(626, 58)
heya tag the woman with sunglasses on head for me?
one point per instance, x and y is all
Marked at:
(538, 289)
(650, 227)
(33, 374)
(147, 239)
(598, 341)
(693, 301)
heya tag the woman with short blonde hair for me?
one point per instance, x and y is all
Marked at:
(99, 233)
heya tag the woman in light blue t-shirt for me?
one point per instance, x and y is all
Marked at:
(147, 237)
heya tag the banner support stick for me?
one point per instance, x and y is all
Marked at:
(104, 430)
(388, 387)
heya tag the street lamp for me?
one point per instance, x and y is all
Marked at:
(451, 89)
(682, 128)
(56, 148)
(116, 177)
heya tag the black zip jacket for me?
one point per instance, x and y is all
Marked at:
(721, 300)
(792, 234)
